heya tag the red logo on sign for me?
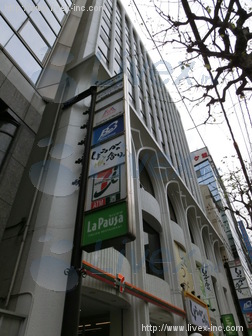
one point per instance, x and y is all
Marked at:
(98, 203)
(109, 111)
(107, 178)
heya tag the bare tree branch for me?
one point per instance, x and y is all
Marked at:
(218, 32)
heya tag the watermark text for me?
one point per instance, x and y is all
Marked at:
(44, 8)
(188, 328)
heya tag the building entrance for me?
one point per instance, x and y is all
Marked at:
(98, 325)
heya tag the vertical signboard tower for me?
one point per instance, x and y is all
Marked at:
(109, 208)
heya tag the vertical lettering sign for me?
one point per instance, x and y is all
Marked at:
(239, 280)
(106, 205)
(203, 289)
(107, 155)
(241, 286)
(208, 284)
(184, 276)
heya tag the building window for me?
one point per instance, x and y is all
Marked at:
(8, 129)
(172, 211)
(34, 40)
(103, 51)
(105, 28)
(191, 235)
(131, 93)
(145, 180)
(118, 66)
(153, 254)
(29, 30)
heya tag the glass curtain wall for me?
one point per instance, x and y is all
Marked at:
(29, 29)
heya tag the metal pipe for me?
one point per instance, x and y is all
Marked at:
(28, 221)
(71, 312)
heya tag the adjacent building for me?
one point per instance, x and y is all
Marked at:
(246, 239)
(211, 183)
(151, 256)
(217, 205)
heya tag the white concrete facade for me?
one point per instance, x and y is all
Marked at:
(90, 48)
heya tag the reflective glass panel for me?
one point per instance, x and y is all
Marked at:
(69, 2)
(48, 15)
(43, 27)
(13, 12)
(56, 9)
(64, 5)
(23, 58)
(28, 6)
(6, 32)
(34, 40)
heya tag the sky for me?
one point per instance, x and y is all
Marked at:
(215, 136)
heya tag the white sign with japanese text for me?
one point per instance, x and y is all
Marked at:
(107, 155)
(196, 314)
(207, 281)
(237, 272)
(243, 293)
(239, 280)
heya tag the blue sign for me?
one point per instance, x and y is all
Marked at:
(246, 305)
(108, 130)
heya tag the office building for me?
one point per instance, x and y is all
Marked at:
(246, 239)
(151, 256)
(209, 179)
(207, 175)
(217, 205)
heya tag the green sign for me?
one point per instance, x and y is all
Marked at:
(250, 332)
(105, 224)
(229, 325)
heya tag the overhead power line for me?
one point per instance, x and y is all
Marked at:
(196, 34)
(169, 72)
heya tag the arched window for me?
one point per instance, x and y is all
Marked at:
(191, 235)
(172, 211)
(153, 254)
(8, 128)
(145, 179)
(204, 238)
